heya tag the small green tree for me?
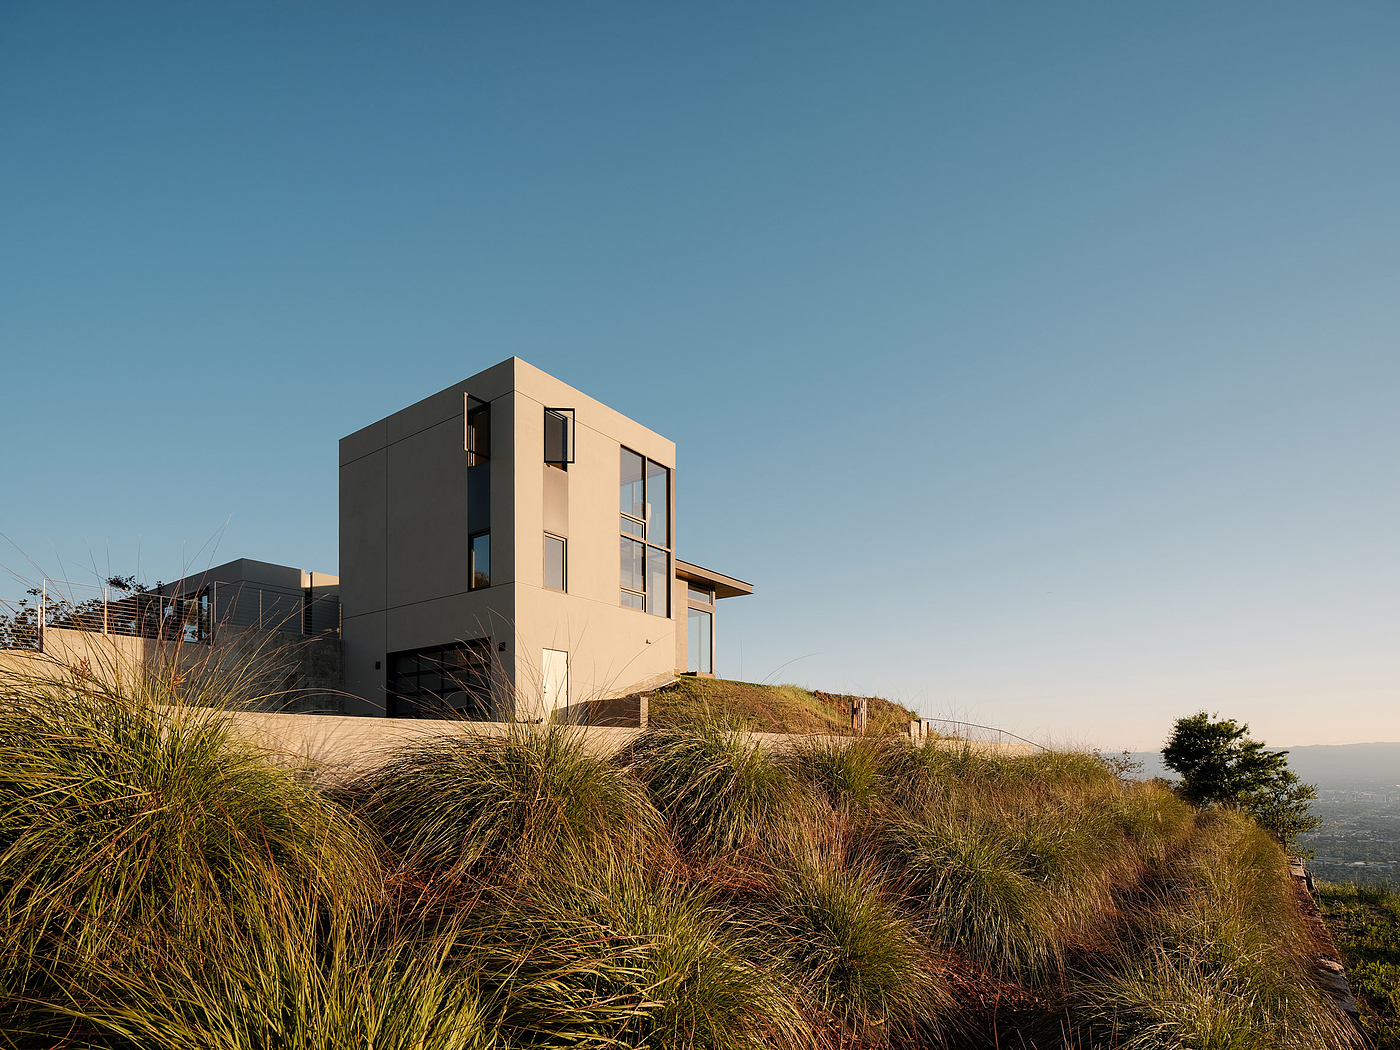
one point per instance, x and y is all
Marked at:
(1283, 806)
(1220, 765)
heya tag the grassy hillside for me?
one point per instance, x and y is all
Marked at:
(163, 886)
(770, 708)
(1365, 923)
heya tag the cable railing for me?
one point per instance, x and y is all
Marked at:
(193, 616)
(957, 729)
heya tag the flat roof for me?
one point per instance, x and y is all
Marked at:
(724, 586)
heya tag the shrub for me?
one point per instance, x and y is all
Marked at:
(294, 981)
(131, 829)
(466, 804)
(1222, 960)
(719, 790)
(977, 890)
(852, 951)
(653, 952)
(851, 772)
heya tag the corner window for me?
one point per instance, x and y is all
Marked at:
(645, 526)
(555, 550)
(480, 568)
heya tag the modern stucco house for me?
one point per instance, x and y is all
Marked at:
(507, 552)
(508, 549)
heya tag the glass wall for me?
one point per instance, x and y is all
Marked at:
(645, 525)
(441, 682)
(699, 645)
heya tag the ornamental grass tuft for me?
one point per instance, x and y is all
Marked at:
(718, 788)
(479, 805)
(856, 954)
(1221, 961)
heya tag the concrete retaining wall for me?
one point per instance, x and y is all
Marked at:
(350, 744)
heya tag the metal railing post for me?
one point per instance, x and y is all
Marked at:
(260, 626)
(104, 610)
(43, 612)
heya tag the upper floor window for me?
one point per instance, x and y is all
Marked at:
(478, 441)
(645, 524)
(478, 434)
(559, 436)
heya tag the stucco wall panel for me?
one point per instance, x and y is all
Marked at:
(363, 533)
(427, 515)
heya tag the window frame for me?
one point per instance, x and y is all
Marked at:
(472, 585)
(638, 530)
(563, 541)
(690, 657)
(474, 660)
(568, 417)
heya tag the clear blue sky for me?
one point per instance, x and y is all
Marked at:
(1038, 363)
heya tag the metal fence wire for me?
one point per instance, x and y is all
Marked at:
(191, 617)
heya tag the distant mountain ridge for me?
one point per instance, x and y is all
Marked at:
(1339, 766)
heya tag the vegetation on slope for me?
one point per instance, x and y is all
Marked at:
(1365, 923)
(770, 708)
(162, 885)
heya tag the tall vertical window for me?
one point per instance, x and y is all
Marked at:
(478, 445)
(554, 562)
(480, 569)
(645, 506)
(699, 641)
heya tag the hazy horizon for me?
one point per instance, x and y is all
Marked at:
(1039, 366)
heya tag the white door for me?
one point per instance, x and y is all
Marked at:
(556, 682)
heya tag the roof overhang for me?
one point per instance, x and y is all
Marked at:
(723, 586)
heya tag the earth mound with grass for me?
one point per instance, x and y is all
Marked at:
(164, 885)
(772, 708)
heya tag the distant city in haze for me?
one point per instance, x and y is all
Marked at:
(1038, 366)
